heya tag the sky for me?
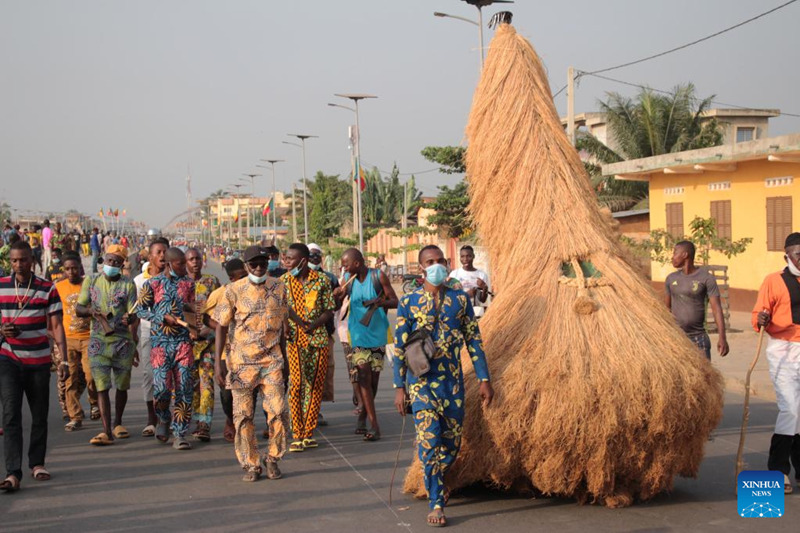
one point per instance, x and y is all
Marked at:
(108, 103)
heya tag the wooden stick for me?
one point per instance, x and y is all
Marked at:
(746, 414)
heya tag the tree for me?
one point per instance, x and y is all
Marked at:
(451, 211)
(382, 199)
(329, 204)
(649, 124)
(449, 158)
(5, 212)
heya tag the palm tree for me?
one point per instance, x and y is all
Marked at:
(650, 124)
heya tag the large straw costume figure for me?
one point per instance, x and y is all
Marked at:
(600, 396)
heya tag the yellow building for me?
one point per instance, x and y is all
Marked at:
(748, 188)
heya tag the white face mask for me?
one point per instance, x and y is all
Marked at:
(793, 269)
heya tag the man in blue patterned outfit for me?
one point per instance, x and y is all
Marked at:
(162, 302)
(437, 397)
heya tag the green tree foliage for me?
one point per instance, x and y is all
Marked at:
(658, 247)
(450, 158)
(451, 211)
(650, 124)
(5, 212)
(330, 206)
(382, 199)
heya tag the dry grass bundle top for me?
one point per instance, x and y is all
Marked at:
(599, 395)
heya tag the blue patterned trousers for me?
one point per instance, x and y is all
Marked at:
(438, 441)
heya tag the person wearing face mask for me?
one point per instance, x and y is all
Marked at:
(687, 290)
(249, 319)
(777, 310)
(109, 299)
(274, 267)
(55, 272)
(437, 397)
(163, 301)
(311, 305)
(153, 267)
(315, 264)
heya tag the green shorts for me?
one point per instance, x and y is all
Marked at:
(106, 357)
(371, 356)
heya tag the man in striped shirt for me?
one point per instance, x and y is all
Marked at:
(27, 305)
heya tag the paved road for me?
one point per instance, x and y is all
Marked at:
(138, 484)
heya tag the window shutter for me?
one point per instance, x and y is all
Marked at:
(779, 221)
(675, 219)
(721, 213)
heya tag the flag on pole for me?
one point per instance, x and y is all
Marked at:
(124, 212)
(236, 210)
(110, 213)
(116, 213)
(359, 176)
(269, 206)
(100, 213)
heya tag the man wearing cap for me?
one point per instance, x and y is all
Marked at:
(315, 264)
(778, 311)
(254, 310)
(109, 299)
(275, 270)
(163, 301)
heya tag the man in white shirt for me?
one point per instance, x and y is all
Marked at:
(475, 282)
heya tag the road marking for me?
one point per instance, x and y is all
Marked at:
(366, 482)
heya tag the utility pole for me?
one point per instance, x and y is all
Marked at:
(294, 212)
(405, 227)
(355, 180)
(571, 105)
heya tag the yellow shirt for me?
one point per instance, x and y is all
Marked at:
(75, 327)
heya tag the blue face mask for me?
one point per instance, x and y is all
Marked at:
(273, 264)
(56, 260)
(173, 273)
(256, 279)
(296, 270)
(111, 271)
(312, 266)
(436, 274)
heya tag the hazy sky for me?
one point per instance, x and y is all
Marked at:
(105, 103)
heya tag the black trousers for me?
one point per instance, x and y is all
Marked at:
(784, 452)
(33, 382)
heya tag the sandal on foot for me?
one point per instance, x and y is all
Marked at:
(273, 472)
(436, 518)
(162, 433)
(181, 443)
(372, 436)
(40, 473)
(73, 425)
(310, 443)
(10, 484)
(149, 431)
(296, 446)
(94, 414)
(229, 433)
(120, 432)
(202, 433)
(252, 475)
(101, 439)
(787, 485)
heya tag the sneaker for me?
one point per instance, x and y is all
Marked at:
(94, 414)
(73, 425)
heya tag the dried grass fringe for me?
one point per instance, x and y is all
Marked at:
(599, 395)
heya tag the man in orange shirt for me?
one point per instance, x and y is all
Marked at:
(778, 311)
(76, 330)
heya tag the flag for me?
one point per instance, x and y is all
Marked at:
(236, 210)
(110, 213)
(359, 176)
(124, 212)
(116, 213)
(100, 213)
(267, 207)
(205, 223)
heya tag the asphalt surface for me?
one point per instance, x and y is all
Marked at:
(138, 484)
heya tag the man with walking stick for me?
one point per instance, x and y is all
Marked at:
(777, 310)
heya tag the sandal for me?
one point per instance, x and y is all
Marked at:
(436, 518)
(202, 433)
(10, 484)
(310, 443)
(73, 425)
(162, 433)
(787, 485)
(372, 436)
(149, 431)
(273, 472)
(361, 429)
(252, 475)
(296, 446)
(94, 414)
(120, 432)
(101, 439)
(40, 473)
(181, 443)
(229, 433)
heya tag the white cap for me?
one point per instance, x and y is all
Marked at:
(314, 246)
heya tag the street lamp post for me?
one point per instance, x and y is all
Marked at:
(353, 178)
(253, 198)
(355, 98)
(305, 181)
(480, 4)
(274, 209)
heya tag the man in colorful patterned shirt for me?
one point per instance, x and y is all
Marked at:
(109, 300)
(311, 305)
(163, 301)
(203, 349)
(254, 311)
(437, 397)
(28, 305)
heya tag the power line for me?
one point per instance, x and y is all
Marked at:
(401, 173)
(640, 86)
(687, 45)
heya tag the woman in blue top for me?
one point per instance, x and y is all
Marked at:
(371, 294)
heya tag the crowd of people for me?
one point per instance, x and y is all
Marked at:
(269, 333)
